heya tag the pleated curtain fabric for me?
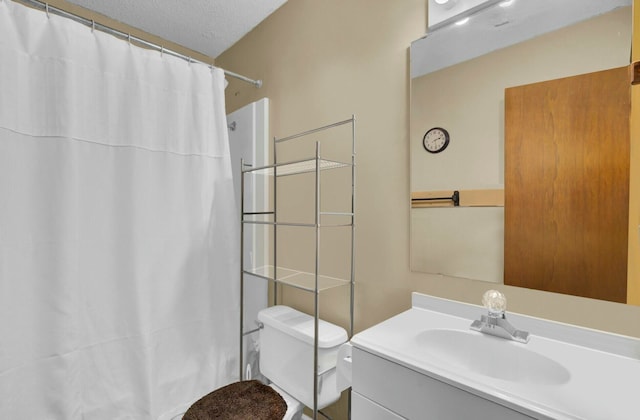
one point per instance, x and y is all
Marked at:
(118, 251)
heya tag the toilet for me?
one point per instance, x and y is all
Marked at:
(287, 355)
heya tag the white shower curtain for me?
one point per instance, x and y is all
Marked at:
(118, 251)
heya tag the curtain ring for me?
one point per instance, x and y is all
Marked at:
(161, 50)
(129, 38)
(93, 26)
(46, 9)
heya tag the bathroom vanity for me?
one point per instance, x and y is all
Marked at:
(426, 363)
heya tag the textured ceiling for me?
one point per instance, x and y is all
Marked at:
(207, 26)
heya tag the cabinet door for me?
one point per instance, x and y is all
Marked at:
(365, 409)
(415, 396)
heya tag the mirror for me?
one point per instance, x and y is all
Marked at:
(459, 74)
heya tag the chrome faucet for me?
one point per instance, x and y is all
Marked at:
(495, 322)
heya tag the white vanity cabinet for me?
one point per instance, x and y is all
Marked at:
(384, 390)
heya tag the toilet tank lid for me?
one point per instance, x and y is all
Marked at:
(300, 326)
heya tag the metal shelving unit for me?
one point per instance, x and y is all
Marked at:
(313, 282)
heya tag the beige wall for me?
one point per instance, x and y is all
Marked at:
(322, 61)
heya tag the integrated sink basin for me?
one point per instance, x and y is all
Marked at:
(490, 356)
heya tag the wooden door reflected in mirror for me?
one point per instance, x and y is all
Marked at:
(567, 185)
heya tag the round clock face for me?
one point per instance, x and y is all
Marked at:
(435, 140)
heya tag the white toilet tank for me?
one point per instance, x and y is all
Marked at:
(286, 354)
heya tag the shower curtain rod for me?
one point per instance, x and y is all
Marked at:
(94, 25)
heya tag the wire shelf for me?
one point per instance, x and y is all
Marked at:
(306, 281)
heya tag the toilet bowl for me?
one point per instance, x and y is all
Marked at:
(294, 407)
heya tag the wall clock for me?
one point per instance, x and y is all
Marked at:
(435, 140)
